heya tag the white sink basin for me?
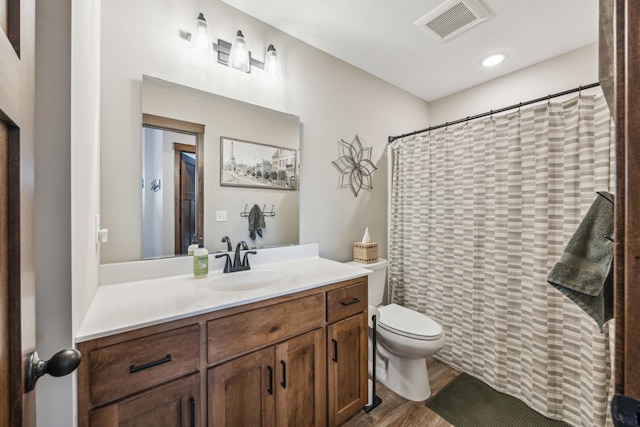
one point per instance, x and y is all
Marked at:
(248, 280)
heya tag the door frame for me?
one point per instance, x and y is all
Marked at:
(626, 16)
(178, 149)
(11, 267)
(181, 126)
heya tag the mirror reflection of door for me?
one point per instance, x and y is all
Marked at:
(185, 184)
(172, 189)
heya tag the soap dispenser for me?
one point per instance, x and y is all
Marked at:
(200, 262)
(193, 246)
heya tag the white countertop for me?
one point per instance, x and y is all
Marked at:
(131, 305)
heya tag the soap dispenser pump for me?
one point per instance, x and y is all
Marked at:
(193, 246)
(200, 261)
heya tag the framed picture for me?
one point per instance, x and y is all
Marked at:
(255, 165)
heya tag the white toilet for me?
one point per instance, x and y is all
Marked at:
(404, 339)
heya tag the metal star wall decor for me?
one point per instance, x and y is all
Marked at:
(355, 165)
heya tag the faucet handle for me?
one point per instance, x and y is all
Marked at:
(245, 260)
(227, 263)
(228, 240)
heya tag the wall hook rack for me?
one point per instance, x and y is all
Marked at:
(246, 212)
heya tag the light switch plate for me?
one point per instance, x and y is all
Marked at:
(221, 216)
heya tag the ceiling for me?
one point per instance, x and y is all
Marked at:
(379, 37)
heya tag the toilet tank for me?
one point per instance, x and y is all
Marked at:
(377, 279)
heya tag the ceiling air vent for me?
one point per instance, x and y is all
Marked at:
(453, 17)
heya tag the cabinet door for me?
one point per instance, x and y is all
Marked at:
(242, 391)
(301, 397)
(347, 368)
(175, 404)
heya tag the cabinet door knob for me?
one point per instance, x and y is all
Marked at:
(62, 363)
(335, 350)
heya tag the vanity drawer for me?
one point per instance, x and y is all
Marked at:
(242, 332)
(125, 368)
(347, 301)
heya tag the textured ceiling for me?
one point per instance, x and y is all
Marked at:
(378, 36)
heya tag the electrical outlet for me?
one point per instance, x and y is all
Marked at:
(221, 216)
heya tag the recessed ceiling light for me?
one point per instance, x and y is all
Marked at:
(492, 60)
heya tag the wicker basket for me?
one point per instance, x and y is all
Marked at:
(366, 253)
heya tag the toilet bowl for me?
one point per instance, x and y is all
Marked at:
(404, 339)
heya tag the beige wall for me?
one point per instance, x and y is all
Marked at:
(579, 67)
(334, 100)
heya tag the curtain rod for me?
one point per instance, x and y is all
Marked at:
(501, 110)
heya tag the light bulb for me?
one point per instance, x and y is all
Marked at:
(493, 60)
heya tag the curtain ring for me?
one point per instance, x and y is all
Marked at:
(549, 100)
(580, 91)
(519, 106)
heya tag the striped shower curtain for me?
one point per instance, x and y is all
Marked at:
(479, 215)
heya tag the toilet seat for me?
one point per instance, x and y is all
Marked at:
(408, 323)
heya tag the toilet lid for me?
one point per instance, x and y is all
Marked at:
(409, 323)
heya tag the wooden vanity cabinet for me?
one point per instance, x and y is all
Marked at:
(267, 363)
(281, 385)
(347, 347)
(176, 404)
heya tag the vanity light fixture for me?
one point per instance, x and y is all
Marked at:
(493, 60)
(236, 54)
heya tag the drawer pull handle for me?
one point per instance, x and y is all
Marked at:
(284, 374)
(192, 403)
(270, 389)
(133, 368)
(335, 351)
(353, 301)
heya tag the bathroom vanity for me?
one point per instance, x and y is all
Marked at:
(292, 352)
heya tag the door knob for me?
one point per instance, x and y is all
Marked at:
(62, 363)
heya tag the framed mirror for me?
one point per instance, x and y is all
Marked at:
(221, 206)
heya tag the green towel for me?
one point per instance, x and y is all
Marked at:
(584, 272)
(256, 222)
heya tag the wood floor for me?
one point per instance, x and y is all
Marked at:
(395, 411)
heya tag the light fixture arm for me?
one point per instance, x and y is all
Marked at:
(224, 49)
